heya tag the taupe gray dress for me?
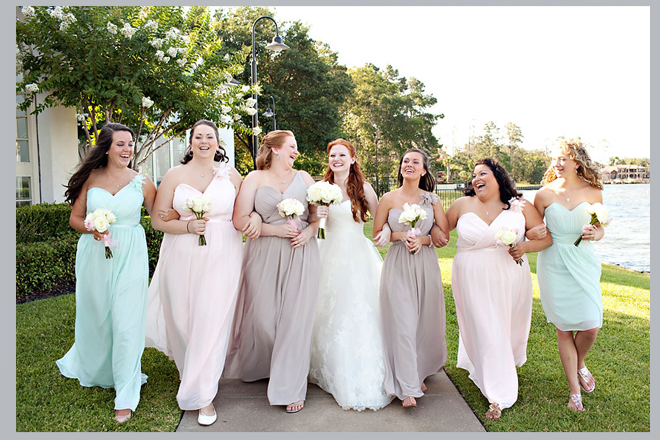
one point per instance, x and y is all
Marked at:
(412, 307)
(272, 329)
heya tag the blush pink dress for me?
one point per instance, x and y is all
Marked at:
(493, 296)
(193, 293)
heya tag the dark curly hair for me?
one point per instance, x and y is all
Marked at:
(427, 181)
(507, 187)
(96, 158)
(220, 154)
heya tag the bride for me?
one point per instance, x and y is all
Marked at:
(347, 354)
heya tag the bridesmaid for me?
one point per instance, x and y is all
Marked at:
(493, 294)
(193, 290)
(111, 294)
(411, 297)
(569, 275)
(272, 329)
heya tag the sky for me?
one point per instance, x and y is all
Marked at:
(553, 71)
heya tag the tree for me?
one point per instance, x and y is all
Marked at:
(385, 115)
(156, 69)
(306, 81)
(513, 138)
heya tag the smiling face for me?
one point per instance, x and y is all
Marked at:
(203, 141)
(340, 159)
(562, 163)
(288, 151)
(121, 149)
(412, 165)
(484, 181)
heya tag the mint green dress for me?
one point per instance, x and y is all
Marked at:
(569, 275)
(111, 298)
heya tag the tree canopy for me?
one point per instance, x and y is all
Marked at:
(156, 69)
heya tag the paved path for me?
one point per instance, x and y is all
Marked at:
(244, 407)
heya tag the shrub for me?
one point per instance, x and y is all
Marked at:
(46, 264)
(45, 222)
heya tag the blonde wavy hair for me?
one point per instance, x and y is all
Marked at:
(587, 169)
(273, 139)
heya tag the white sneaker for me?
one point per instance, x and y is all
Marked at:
(207, 420)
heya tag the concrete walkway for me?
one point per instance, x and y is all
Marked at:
(244, 407)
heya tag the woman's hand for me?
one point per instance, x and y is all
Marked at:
(517, 251)
(322, 211)
(538, 232)
(287, 230)
(197, 226)
(413, 244)
(168, 214)
(383, 237)
(590, 232)
(98, 236)
(302, 238)
(438, 237)
(253, 227)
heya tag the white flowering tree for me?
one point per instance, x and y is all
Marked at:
(156, 69)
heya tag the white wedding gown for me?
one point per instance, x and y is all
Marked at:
(347, 354)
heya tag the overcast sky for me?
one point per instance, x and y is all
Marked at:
(553, 71)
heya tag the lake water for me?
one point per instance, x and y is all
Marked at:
(627, 240)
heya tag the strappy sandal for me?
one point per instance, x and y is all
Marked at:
(494, 411)
(585, 375)
(295, 407)
(575, 402)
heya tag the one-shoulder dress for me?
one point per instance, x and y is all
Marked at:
(493, 297)
(412, 309)
(111, 299)
(193, 292)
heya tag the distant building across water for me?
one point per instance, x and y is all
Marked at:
(626, 174)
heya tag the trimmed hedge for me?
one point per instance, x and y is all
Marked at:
(46, 264)
(45, 222)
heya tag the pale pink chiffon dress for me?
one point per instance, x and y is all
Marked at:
(193, 292)
(493, 296)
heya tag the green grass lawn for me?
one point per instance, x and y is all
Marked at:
(619, 360)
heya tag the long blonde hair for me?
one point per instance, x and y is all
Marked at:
(275, 139)
(587, 170)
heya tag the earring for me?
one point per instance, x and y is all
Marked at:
(277, 156)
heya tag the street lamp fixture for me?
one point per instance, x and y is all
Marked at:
(271, 113)
(276, 45)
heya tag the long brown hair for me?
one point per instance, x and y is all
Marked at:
(427, 181)
(220, 154)
(587, 169)
(96, 158)
(354, 182)
(272, 139)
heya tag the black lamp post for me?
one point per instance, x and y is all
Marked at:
(275, 45)
(271, 113)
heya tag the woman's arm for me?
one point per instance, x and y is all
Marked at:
(149, 194)
(164, 201)
(383, 237)
(532, 219)
(454, 212)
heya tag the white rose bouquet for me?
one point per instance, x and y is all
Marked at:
(599, 216)
(410, 216)
(325, 194)
(100, 220)
(507, 237)
(198, 206)
(290, 209)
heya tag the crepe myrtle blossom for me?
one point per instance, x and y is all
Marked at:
(112, 28)
(172, 51)
(151, 26)
(28, 11)
(181, 61)
(157, 43)
(57, 13)
(128, 31)
(32, 88)
(146, 102)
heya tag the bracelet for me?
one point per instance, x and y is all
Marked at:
(187, 225)
(430, 241)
